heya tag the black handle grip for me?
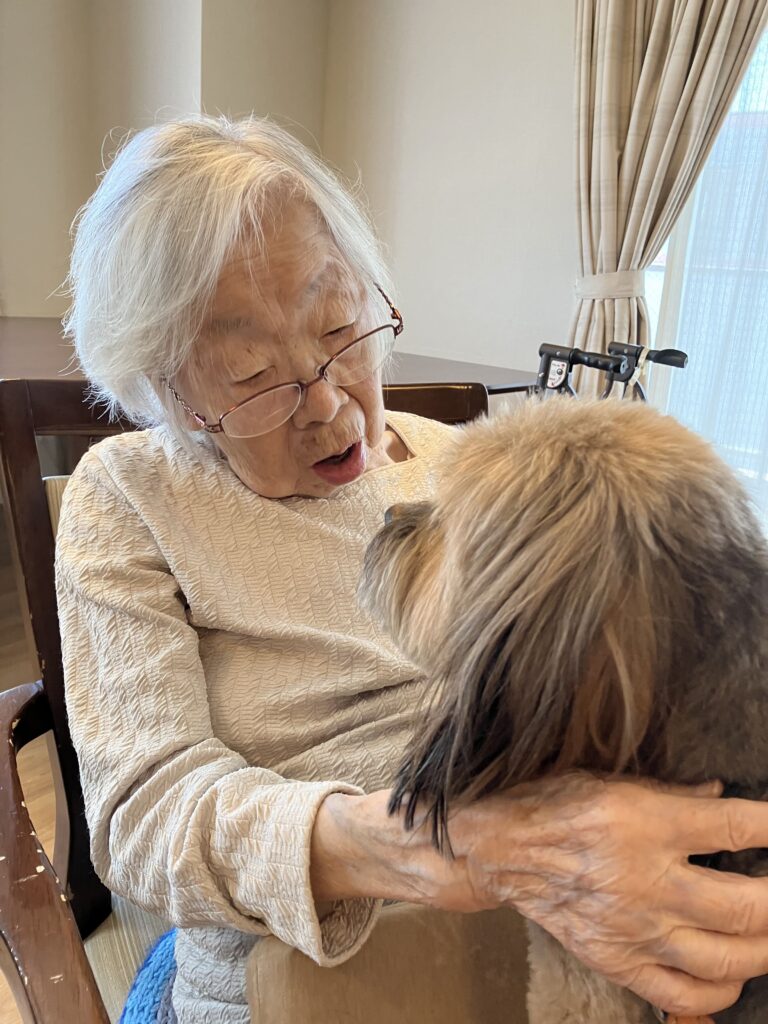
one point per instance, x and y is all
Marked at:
(600, 361)
(668, 357)
(616, 364)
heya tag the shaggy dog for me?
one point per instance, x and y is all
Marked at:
(589, 590)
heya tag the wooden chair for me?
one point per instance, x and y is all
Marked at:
(47, 909)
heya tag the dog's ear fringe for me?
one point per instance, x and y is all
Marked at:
(456, 757)
(436, 816)
(416, 776)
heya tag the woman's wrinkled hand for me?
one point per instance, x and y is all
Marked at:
(603, 866)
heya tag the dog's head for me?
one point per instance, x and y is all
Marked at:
(577, 559)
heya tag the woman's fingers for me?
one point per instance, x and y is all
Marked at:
(720, 958)
(680, 994)
(603, 866)
(709, 826)
(711, 789)
(720, 901)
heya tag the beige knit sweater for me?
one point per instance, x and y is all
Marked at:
(220, 682)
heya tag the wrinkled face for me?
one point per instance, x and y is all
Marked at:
(275, 319)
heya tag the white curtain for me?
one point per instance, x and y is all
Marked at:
(715, 300)
(654, 81)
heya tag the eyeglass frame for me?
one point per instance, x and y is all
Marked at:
(304, 386)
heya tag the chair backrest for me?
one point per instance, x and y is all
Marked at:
(29, 410)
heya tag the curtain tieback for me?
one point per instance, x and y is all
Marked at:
(624, 284)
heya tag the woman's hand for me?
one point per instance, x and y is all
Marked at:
(603, 866)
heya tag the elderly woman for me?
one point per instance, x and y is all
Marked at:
(237, 718)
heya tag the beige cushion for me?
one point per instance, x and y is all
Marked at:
(117, 949)
(54, 490)
(419, 966)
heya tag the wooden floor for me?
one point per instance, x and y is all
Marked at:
(36, 781)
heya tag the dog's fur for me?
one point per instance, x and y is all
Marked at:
(589, 590)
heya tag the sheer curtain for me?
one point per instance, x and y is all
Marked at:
(715, 299)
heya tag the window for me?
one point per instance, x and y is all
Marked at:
(708, 293)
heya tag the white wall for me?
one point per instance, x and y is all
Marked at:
(266, 56)
(45, 172)
(145, 65)
(458, 117)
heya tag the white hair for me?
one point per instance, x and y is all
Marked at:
(151, 242)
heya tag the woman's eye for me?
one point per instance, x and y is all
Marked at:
(252, 379)
(340, 330)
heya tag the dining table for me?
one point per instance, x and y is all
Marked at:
(414, 368)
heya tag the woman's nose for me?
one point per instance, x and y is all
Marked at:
(321, 403)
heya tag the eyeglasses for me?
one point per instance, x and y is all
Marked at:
(269, 409)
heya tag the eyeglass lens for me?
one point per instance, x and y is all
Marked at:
(267, 411)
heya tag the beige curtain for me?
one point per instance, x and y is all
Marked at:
(654, 81)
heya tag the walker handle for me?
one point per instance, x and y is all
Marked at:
(608, 363)
(667, 357)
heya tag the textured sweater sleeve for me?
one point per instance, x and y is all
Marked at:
(179, 823)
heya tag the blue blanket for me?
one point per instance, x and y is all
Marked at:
(149, 1000)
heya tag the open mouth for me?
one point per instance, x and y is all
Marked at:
(336, 460)
(344, 466)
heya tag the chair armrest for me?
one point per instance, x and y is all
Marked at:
(42, 953)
